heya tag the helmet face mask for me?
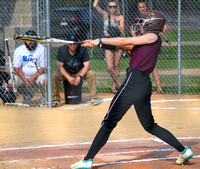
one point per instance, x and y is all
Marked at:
(138, 25)
(150, 21)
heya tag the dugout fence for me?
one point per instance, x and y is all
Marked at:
(178, 65)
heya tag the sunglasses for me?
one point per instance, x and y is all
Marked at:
(112, 7)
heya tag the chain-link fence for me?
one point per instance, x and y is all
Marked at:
(25, 62)
(178, 64)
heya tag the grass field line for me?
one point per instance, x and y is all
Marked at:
(189, 43)
(190, 72)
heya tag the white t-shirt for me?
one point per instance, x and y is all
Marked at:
(24, 58)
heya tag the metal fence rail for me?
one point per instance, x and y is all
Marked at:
(178, 65)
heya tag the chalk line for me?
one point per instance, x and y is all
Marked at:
(87, 143)
(154, 101)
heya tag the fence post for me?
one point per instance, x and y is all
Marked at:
(49, 81)
(179, 46)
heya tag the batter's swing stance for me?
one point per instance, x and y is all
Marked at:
(136, 89)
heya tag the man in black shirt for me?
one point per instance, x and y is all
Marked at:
(73, 64)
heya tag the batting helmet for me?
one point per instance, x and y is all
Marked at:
(6, 94)
(153, 21)
(150, 21)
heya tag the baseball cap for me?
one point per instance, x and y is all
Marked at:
(73, 38)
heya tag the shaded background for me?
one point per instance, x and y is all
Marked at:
(178, 65)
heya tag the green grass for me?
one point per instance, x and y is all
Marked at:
(187, 52)
(185, 36)
(100, 65)
(173, 64)
(189, 84)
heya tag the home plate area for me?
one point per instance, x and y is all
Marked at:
(147, 153)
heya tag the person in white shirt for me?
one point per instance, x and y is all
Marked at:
(25, 68)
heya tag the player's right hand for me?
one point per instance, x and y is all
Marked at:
(90, 43)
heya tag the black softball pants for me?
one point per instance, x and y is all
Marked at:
(136, 90)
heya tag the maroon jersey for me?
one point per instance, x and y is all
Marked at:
(144, 57)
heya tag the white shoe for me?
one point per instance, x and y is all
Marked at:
(82, 164)
(184, 156)
(56, 103)
(95, 101)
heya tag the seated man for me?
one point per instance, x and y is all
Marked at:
(29, 62)
(4, 76)
(6, 94)
(73, 64)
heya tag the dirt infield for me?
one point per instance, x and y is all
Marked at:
(54, 138)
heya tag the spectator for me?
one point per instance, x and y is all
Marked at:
(6, 93)
(27, 77)
(4, 76)
(134, 29)
(113, 27)
(73, 64)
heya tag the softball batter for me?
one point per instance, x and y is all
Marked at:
(136, 89)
